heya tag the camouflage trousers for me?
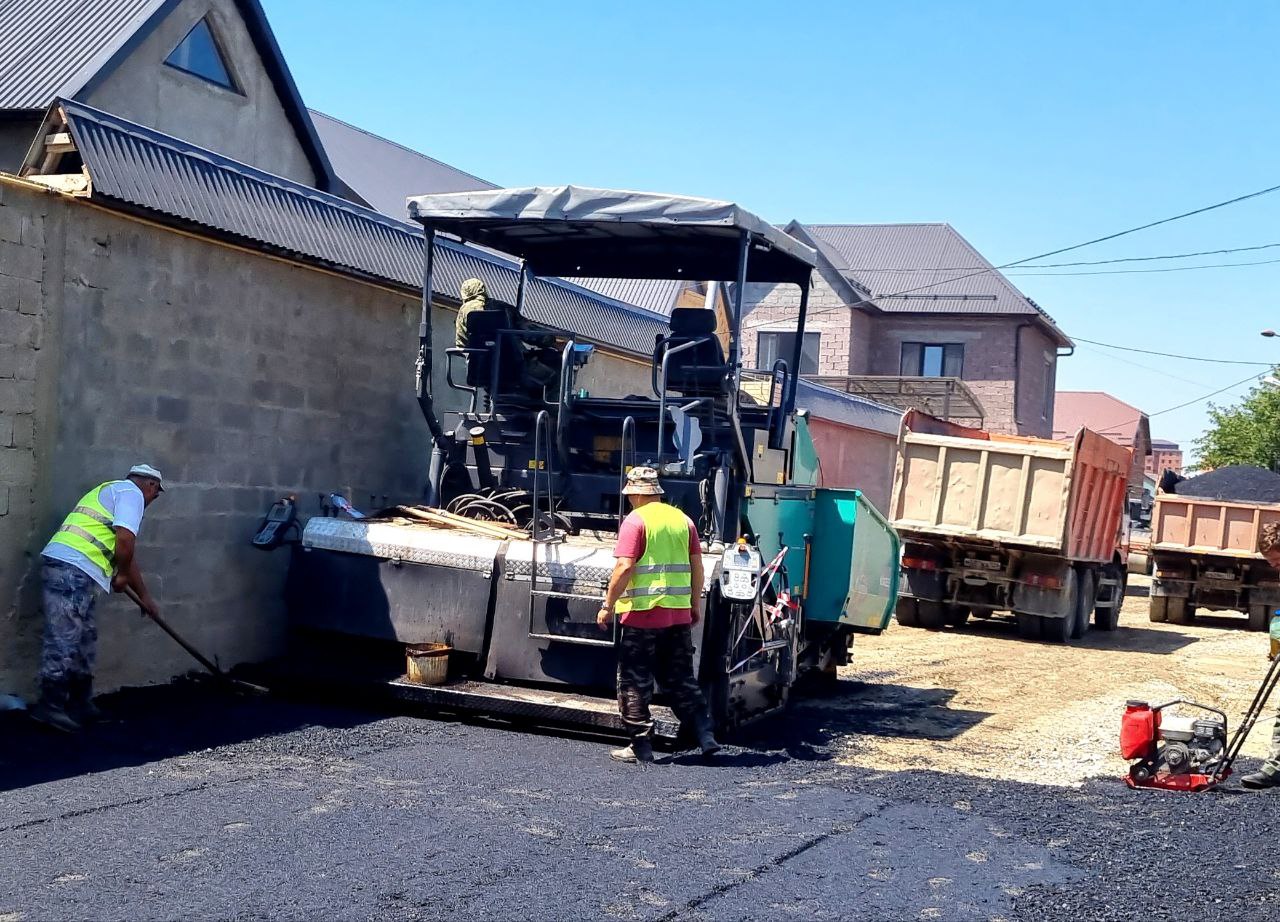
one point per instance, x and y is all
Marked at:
(1272, 765)
(664, 654)
(70, 632)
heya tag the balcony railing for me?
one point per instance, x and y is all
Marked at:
(945, 398)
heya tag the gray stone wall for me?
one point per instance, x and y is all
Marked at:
(242, 377)
(25, 389)
(250, 126)
(15, 140)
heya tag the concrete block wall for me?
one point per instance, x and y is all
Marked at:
(242, 377)
(24, 441)
(776, 307)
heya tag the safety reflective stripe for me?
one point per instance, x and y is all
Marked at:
(665, 568)
(658, 590)
(87, 529)
(87, 536)
(93, 514)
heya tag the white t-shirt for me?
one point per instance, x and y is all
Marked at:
(125, 503)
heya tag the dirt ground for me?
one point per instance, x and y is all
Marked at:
(982, 701)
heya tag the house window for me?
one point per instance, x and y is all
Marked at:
(198, 54)
(933, 360)
(773, 346)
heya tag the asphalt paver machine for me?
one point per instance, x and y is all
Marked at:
(536, 462)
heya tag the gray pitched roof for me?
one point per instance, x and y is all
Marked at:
(139, 169)
(849, 409)
(657, 295)
(385, 173)
(952, 277)
(53, 49)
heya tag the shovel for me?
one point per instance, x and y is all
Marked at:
(235, 684)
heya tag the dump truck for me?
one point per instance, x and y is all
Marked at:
(507, 560)
(1205, 555)
(1006, 523)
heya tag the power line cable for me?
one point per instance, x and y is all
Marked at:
(1120, 358)
(1171, 355)
(1095, 262)
(1188, 403)
(1264, 262)
(1066, 249)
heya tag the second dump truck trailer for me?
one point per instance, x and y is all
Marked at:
(1004, 523)
(1205, 553)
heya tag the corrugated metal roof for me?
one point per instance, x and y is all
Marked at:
(849, 409)
(49, 48)
(657, 295)
(385, 173)
(889, 258)
(144, 169)
(1098, 411)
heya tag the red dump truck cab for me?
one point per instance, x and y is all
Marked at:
(993, 523)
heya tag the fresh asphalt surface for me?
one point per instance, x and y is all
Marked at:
(194, 804)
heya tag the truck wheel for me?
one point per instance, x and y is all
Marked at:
(957, 615)
(1028, 625)
(1086, 599)
(931, 614)
(1179, 611)
(1158, 610)
(1057, 630)
(908, 612)
(1260, 617)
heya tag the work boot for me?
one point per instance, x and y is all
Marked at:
(707, 742)
(51, 709)
(80, 700)
(640, 750)
(1260, 781)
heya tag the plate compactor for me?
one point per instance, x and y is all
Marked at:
(1180, 752)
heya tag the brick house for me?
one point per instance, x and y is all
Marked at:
(1165, 456)
(965, 344)
(1109, 416)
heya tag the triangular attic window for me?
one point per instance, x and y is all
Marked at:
(198, 54)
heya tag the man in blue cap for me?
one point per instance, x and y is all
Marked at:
(92, 551)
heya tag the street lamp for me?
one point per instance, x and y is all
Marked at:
(1270, 333)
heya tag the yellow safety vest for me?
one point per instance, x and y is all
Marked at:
(88, 530)
(663, 577)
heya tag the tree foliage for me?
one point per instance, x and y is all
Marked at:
(1245, 433)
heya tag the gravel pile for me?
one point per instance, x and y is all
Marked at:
(1240, 482)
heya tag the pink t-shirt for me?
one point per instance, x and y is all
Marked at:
(631, 541)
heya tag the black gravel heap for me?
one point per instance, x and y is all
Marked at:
(1242, 482)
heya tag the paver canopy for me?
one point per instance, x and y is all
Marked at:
(606, 233)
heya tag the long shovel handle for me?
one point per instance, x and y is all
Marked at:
(199, 657)
(164, 626)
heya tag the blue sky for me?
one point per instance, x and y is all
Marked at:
(1027, 126)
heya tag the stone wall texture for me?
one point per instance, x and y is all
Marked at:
(242, 377)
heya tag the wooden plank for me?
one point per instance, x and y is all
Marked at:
(59, 142)
(70, 183)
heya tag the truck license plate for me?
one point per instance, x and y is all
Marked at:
(974, 564)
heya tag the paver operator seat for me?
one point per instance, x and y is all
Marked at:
(700, 370)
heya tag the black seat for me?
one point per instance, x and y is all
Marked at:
(700, 371)
(482, 333)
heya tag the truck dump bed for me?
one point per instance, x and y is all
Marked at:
(1213, 527)
(1060, 498)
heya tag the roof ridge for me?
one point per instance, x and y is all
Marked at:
(393, 142)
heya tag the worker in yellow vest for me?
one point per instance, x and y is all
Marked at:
(92, 550)
(656, 590)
